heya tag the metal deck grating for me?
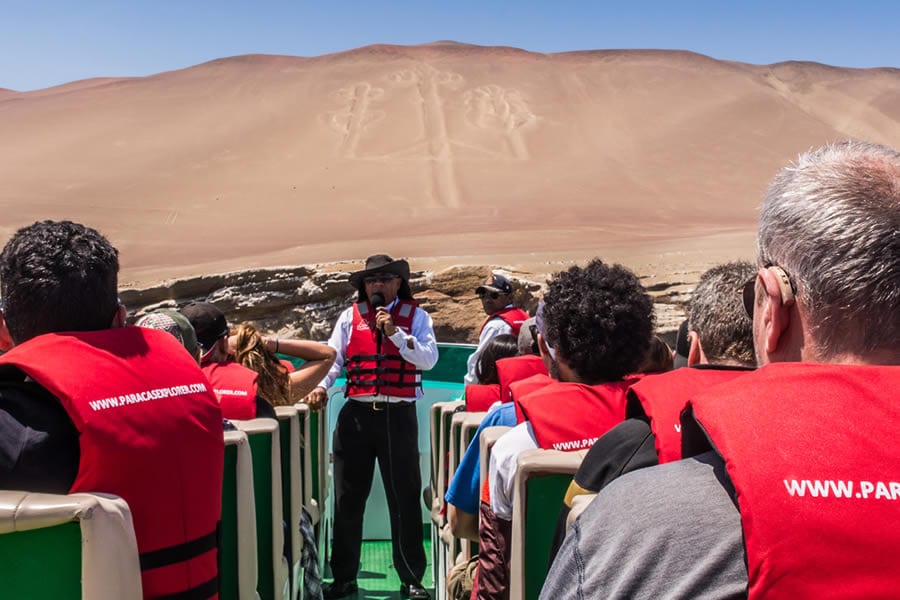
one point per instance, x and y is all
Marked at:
(377, 578)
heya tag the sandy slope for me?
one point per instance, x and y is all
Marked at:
(468, 153)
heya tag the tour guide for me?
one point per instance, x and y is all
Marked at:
(385, 341)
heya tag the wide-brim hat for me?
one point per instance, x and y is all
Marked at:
(380, 263)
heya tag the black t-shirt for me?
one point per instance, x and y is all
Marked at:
(264, 410)
(39, 446)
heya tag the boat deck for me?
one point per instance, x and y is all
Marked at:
(377, 578)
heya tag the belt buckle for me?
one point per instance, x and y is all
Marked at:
(375, 404)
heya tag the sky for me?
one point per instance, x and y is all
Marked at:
(46, 43)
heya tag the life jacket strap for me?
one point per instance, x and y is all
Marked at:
(179, 552)
(383, 383)
(358, 358)
(379, 370)
(205, 590)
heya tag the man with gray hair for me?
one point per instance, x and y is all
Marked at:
(792, 489)
(718, 328)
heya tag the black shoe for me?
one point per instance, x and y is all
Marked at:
(414, 591)
(339, 589)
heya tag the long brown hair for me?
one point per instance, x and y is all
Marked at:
(273, 382)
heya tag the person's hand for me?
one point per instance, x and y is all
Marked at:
(384, 321)
(316, 399)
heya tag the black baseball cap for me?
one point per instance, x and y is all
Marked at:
(208, 321)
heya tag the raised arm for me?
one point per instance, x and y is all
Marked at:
(318, 357)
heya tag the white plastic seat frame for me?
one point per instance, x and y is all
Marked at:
(110, 567)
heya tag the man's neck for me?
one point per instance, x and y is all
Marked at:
(884, 357)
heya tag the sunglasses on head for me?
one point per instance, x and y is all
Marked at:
(380, 278)
(785, 285)
(492, 295)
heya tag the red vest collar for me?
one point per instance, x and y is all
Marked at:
(660, 399)
(572, 416)
(809, 449)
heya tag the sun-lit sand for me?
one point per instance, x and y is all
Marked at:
(445, 153)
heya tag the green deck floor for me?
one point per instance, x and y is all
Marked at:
(377, 578)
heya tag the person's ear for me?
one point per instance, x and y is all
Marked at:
(778, 298)
(6, 341)
(224, 349)
(120, 318)
(695, 353)
(544, 350)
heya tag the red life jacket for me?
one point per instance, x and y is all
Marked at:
(512, 316)
(517, 368)
(572, 416)
(480, 397)
(150, 432)
(811, 452)
(370, 371)
(235, 387)
(520, 389)
(660, 399)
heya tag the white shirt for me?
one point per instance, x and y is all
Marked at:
(423, 354)
(496, 326)
(504, 466)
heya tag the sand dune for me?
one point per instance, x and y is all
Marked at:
(440, 150)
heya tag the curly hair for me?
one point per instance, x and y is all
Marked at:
(501, 346)
(599, 319)
(273, 383)
(58, 276)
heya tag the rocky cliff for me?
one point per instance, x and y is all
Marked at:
(305, 301)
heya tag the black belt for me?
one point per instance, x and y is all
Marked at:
(379, 406)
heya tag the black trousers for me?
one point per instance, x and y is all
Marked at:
(391, 435)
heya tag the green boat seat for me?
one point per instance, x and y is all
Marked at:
(542, 478)
(67, 546)
(265, 450)
(237, 550)
(306, 482)
(488, 438)
(291, 489)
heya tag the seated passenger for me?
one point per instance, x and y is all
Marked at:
(720, 347)
(234, 384)
(682, 347)
(526, 366)
(175, 323)
(503, 318)
(796, 498)
(107, 408)
(278, 384)
(462, 492)
(481, 395)
(593, 329)
(659, 357)
(462, 495)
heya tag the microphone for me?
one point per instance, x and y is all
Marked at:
(377, 301)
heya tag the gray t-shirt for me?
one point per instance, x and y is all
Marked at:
(670, 531)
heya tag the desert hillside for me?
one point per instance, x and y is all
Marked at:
(443, 150)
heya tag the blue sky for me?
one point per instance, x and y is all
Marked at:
(44, 43)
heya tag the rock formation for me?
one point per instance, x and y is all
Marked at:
(305, 301)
